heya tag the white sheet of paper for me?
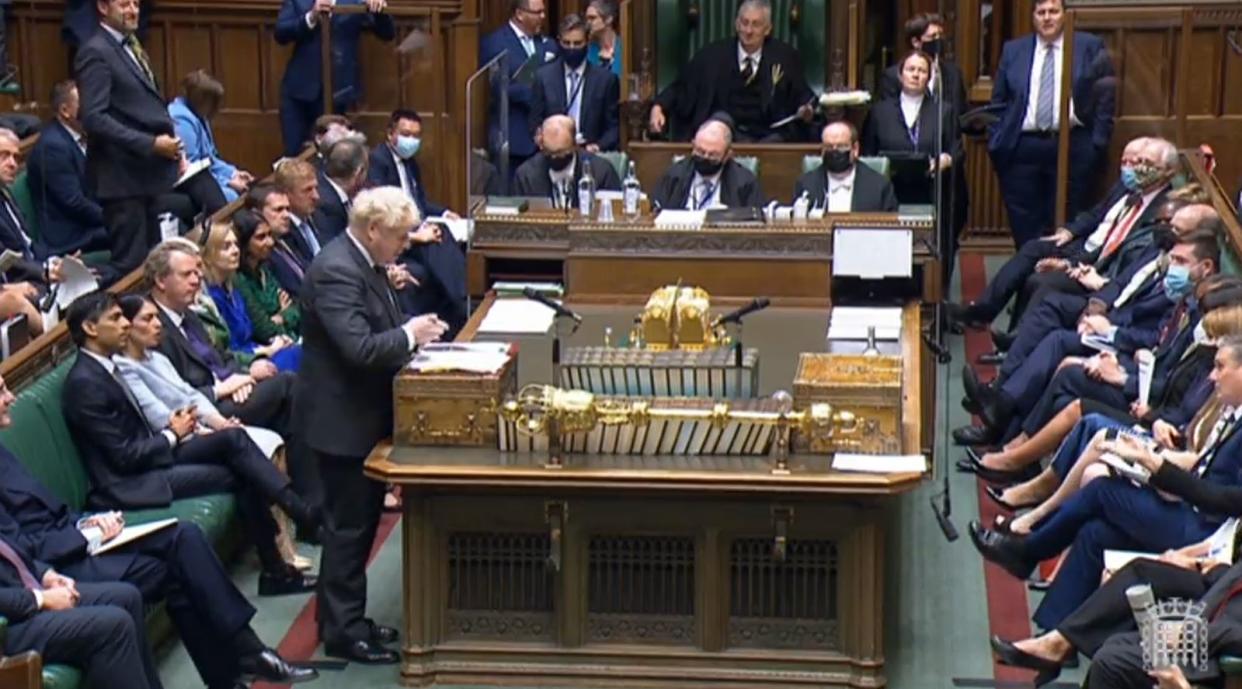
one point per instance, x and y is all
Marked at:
(132, 533)
(268, 441)
(673, 218)
(517, 316)
(1114, 560)
(193, 169)
(75, 280)
(1220, 543)
(872, 253)
(8, 259)
(851, 322)
(461, 228)
(471, 361)
(879, 464)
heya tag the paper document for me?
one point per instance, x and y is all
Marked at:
(474, 357)
(1099, 343)
(1114, 560)
(268, 441)
(517, 316)
(75, 280)
(1135, 472)
(8, 259)
(460, 228)
(128, 535)
(872, 253)
(852, 322)
(193, 169)
(674, 219)
(879, 464)
(1220, 544)
(1146, 361)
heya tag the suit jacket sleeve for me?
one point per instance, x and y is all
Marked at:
(663, 194)
(17, 604)
(888, 198)
(1208, 496)
(611, 138)
(94, 78)
(64, 187)
(1104, 87)
(94, 419)
(291, 24)
(751, 194)
(198, 145)
(340, 302)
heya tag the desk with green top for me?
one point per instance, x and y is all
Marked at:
(651, 571)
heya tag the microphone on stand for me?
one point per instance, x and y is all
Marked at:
(560, 310)
(736, 316)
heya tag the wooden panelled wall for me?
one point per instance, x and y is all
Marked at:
(234, 39)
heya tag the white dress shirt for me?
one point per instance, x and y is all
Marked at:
(840, 192)
(910, 107)
(120, 38)
(1032, 99)
(755, 57)
(699, 186)
(407, 184)
(527, 41)
(564, 179)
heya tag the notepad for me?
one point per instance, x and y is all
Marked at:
(879, 464)
(128, 535)
(517, 316)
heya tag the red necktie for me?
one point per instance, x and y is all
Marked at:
(23, 572)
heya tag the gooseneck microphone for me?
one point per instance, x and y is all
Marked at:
(757, 304)
(560, 310)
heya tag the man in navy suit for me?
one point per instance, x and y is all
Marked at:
(1023, 142)
(14, 233)
(299, 181)
(134, 153)
(301, 89)
(1115, 513)
(519, 39)
(589, 94)
(176, 564)
(343, 175)
(69, 219)
(434, 258)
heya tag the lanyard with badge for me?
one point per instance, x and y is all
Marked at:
(702, 201)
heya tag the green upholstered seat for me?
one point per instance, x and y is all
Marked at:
(878, 163)
(61, 677)
(618, 159)
(749, 162)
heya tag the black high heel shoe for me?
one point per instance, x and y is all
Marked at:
(1011, 655)
(996, 495)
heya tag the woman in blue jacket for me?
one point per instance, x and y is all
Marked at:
(191, 113)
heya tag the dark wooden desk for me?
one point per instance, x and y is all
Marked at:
(653, 572)
(789, 262)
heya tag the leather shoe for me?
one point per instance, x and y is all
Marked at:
(991, 358)
(975, 435)
(381, 634)
(1011, 655)
(363, 651)
(1002, 549)
(1002, 341)
(995, 494)
(971, 406)
(971, 383)
(995, 411)
(268, 666)
(970, 464)
(964, 315)
(285, 582)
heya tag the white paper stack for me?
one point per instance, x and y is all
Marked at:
(879, 464)
(674, 219)
(521, 316)
(75, 280)
(851, 322)
(482, 357)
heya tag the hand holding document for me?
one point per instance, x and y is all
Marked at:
(97, 546)
(75, 280)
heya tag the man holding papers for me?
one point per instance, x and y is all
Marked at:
(175, 563)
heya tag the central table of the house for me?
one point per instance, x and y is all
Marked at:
(652, 569)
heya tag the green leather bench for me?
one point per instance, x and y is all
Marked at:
(40, 439)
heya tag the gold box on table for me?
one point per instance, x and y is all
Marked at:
(868, 386)
(453, 408)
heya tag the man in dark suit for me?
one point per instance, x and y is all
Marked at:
(520, 41)
(301, 89)
(1091, 250)
(438, 262)
(354, 340)
(134, 153)
(69, 219)
(709, 177)
(299, 180)
(1023, 142)
(840, 184)
(554, 172)
(135, 466)
(287, 265)
(344, 173)
(176, 564)
(99, 628)
(36, 275)
(925, 32)
(588, 94)
(756, 79)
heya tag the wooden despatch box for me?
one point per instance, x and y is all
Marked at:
(451, 408)
(867, 386)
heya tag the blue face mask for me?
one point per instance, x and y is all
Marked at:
(1129, 178)
(407, 146)
(1176, 282)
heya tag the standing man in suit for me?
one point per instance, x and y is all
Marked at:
(175, 564)
(434, 258)
(840, 184)
(758, 80)
(343, 175)
(69, 219)
(590, 95)
(134, 153)
(554, 172)
(925, 33)
(709, 177)
(354, 341)
(299, 181)
(301, 89)
(1023, 142)
(521, 41)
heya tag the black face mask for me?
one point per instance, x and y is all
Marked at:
(838, 162)
(1163, 235)
(573, 57)
(933, 47)
(560, 162)
(706, 167)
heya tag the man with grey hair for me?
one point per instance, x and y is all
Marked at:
(343, 174)
(554, 172)
(755, 78)
(588, 94)
(29, 276)
(354, 341)
(710, 178)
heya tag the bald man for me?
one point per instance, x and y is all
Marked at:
(840, 184)
(710, 177)
(554, 171)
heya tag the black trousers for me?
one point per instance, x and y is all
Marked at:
(1039, 286)
(178, 565)
(353, 504)
(105, 636)
(132, 231)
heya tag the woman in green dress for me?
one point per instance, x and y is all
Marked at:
(265, 301)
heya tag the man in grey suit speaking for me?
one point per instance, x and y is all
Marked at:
(354, 340)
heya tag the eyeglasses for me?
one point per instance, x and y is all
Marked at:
(538, 13)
